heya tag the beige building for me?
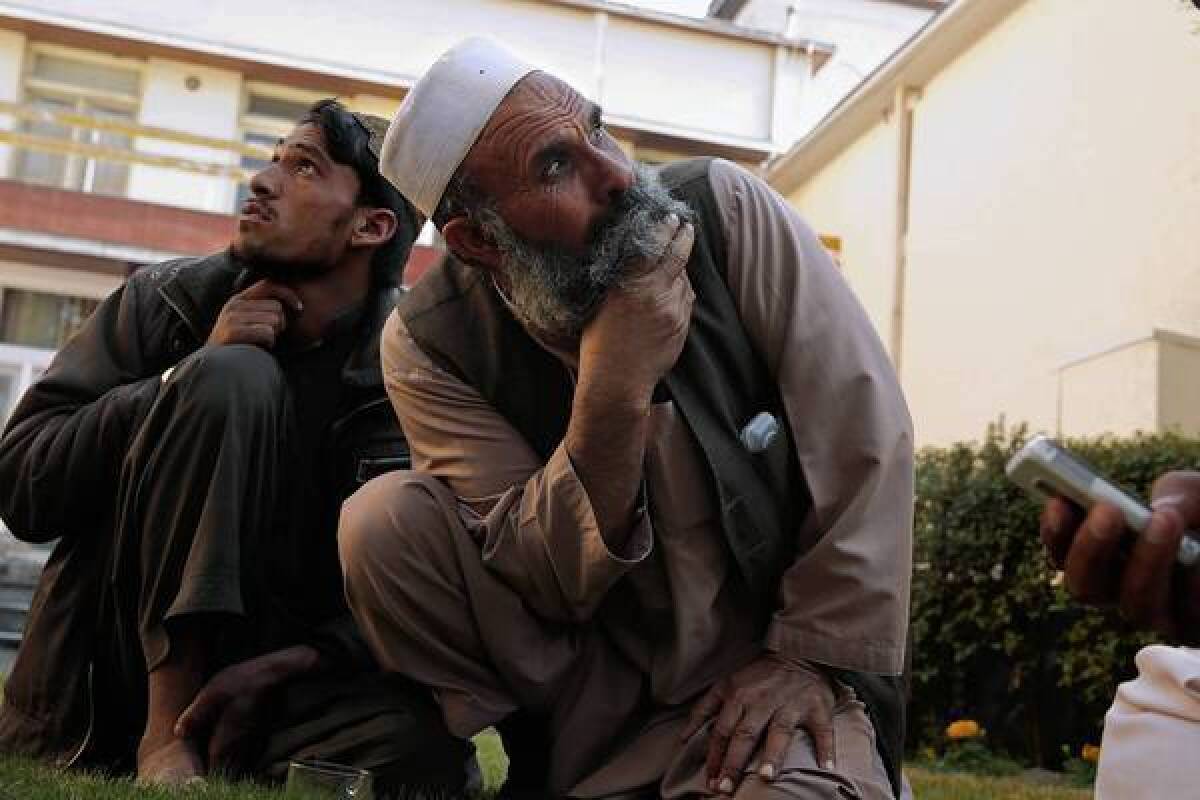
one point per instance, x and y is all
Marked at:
(1015, 195)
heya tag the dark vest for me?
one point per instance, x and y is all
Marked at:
(718, 385)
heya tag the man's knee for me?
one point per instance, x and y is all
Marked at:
(215, 379)
(394, 519)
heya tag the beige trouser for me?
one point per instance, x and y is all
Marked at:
(431, 610)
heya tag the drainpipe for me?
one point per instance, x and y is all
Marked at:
(902, 110)
(779, 108)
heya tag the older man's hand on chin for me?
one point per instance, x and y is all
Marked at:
(634, 339)
(639, 330)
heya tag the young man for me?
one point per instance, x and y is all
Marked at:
(671, 494)
(192, 447)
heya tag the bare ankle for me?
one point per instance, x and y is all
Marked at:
(172, 763)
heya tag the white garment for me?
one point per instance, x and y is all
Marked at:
(1152, 732)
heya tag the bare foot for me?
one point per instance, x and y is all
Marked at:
(175, 763)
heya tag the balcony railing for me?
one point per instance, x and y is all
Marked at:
(27, 140)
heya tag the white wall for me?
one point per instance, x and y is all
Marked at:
(727, 93)
(1146, 385)
(865, 33)
(212, 109)
(1054, 198)
(853, 198)
(1179, 396)
(708, 84)
(1055, 193)
(1116, 391)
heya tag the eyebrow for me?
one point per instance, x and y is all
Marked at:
(316, 152)
(550, 150)
(561, 141)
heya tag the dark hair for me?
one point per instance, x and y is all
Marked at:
(355, 140)
(461, 197)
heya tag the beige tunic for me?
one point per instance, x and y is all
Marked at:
(674, 615)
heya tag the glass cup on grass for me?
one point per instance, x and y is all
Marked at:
(323, 780)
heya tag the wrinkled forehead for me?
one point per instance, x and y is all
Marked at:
(539, 108)
(309, 136)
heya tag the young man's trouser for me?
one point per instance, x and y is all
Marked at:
(206, 529)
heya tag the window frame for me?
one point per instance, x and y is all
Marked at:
(79, 172)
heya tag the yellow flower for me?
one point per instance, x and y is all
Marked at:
(964, 729)
(1090, 752)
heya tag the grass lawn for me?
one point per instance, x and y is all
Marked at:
(22, 780)
(25, 780)
(929, 785)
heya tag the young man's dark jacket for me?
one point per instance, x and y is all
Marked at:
(61, 458)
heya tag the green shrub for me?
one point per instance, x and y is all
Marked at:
(1079, 771)
(993, 638)
(974, 757)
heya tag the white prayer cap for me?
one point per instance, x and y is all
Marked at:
(443, 115)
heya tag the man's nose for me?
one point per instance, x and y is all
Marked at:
(614, 174)
(265, 182)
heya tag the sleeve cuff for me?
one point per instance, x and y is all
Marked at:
(641, 534)
(859, 655)
(560, 554)
(561, 471)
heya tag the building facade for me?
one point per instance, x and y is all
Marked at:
(1015, 194)
(128, 129)
(864, 33)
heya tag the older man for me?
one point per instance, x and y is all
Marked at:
(665, 471)
(191, 447)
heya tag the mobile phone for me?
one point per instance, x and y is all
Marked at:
(1045, 470)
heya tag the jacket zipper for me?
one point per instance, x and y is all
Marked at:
(175, 307)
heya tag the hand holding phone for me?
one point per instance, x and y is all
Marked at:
(1045, 469)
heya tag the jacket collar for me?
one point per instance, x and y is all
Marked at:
(363, 366)
(198, 288)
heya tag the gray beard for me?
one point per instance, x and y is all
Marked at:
(555, 293)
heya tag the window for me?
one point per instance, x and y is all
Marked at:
(33, 324)
(39, 319)
(270, 114)
(8, 389)
(19, 367)
(80, 83)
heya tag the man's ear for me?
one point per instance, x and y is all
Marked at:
(372, 226)
(469, 244)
